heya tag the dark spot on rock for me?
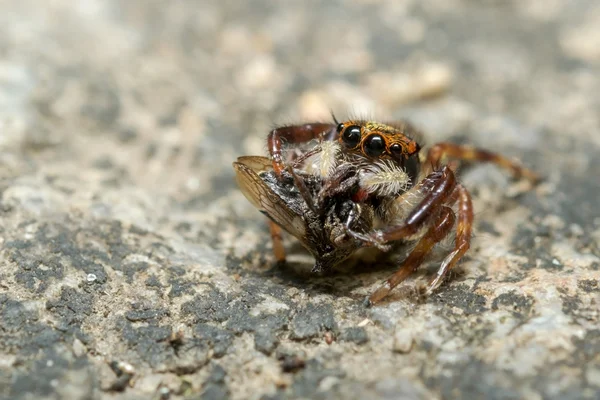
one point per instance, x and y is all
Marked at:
(215, 386)
(183, 227)
(145, 315)
(219, 339)
(153, 281)
(44, 372)
(265, 341)
(355, 334)
(306, 382)
(151, 150)
(588, 348)
(72, 306)
(214, 392)
(130, 269)
(102, 103)
(217, 374)
(209, 306)
(103, 163)
(21, 331)
(291, 363)
(524, 243)
(179, 287)
(127, 135)
(241, 321)
(464, 381)
(589, 285)
(153, 344)
(514, 302)
(570, 304)
(312, 321)
(462, 297)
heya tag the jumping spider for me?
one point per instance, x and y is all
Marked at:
(378, 171)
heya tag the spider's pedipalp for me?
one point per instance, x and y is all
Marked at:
(325, 161)
(384, 178)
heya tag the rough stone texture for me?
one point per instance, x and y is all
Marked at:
(132, 268)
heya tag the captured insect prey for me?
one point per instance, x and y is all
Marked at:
(342, 186)
(320, 214)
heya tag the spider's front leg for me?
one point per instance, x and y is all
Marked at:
(294, 134)
(442, 191)
(469, 153)
(439, 229)
(464, 228)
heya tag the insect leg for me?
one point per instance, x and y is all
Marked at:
(438, 231)
(295, 134)
(463, 237)
(277, 239)
(469, 153)
(303, 189)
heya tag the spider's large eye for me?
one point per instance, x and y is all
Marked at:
(351, 136)
(374, 146)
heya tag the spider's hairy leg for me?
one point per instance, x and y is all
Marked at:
(277, 239)
(294, 134)
(464, 229)
(438, 188)
(469, 153)
(439, 229)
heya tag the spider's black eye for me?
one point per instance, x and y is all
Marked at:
(396, 150)
(351, 136)
(374, 146)
(340, 128)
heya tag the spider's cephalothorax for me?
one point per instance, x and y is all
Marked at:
(376, 140)
(387, 153)
(413, 197)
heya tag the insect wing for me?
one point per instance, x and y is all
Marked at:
(263, 197)
(256, 163)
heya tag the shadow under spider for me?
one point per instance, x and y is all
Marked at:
(357, 273)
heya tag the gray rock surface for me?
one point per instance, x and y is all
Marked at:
(132, 268)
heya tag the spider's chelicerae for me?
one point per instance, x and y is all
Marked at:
(411, 196)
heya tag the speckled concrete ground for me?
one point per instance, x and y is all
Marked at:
(131, 266)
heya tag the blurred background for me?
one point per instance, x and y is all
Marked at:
(121, 224)
(171, 92)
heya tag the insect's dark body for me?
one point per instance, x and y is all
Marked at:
(322, 227)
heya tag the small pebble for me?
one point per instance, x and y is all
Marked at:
(403, 341)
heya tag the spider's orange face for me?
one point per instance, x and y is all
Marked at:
(375, 140)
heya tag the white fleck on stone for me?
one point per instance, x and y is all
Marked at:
(328, 383)
(79, 348)
(364, 322)
(403, 341)
(91, 278)
(269, 306)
